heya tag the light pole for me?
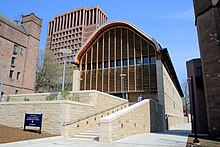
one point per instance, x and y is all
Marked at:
(65, 52)
(190, 82)
(122, 84)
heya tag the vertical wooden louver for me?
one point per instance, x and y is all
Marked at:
(116, 51)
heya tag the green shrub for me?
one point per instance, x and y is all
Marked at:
(65, 94)
(75, 97)
(49, 98)
(8, 98)
(26, 99)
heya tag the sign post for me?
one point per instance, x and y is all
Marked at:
(33, 120)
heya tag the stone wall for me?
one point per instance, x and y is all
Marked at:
(60, 116)
(139, 118)
(54, 113)
(169, 97)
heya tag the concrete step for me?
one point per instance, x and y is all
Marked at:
(92, 131)
(91, 134)
(85, 136)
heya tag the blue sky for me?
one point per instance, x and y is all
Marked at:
(171, 22)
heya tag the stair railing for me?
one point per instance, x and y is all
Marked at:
(91, 115)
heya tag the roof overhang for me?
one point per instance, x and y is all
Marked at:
(107, 26)
(170, 69)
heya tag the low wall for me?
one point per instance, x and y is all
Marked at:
(56, 113)
(174, 121)
(135, 119)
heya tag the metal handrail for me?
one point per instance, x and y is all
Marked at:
(78, 120)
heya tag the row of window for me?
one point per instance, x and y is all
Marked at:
(76, 46)
(120, 63)
(11, 73)
(67, 42)
(66, 32)
(75, 36)
(17, 50)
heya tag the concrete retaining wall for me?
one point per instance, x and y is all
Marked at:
(139, 118)
(59, 112)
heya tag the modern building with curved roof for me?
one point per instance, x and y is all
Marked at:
(120, 59)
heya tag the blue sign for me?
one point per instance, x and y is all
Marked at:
(33, 120)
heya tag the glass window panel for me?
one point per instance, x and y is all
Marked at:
(125, 62)
(89, 66)
(112, 63)
(13, 60)
(100, 65)
(15, 49)
(131, 61)
(153, 60)
(105, 64)
(94, 65)
(138, 60)
(145, 60)
(118, 62)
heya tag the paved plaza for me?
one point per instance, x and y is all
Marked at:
(176, 137)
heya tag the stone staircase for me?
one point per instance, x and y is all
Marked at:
(91, 134)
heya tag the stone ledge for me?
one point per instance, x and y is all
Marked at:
(123, 112)
(46, 102)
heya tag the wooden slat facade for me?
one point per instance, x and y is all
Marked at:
(119, 50)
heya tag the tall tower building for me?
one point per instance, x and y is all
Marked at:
(207, 14)
(71, 29)
(19, 44)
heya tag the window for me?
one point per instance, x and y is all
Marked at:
(112, 63)
(83, 66)
(16, 91)
(100, 65)
(21, 51)
(89, 66)
(105, 64)
(131, 61)
(124, 62)
(145, 60)
(11, 74)
(12, 60)
(153, 60)
(138, 60)
(118, 62)
(15, 49)
(94, 65)
(18, 75)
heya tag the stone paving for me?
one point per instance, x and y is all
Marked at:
(176, 137)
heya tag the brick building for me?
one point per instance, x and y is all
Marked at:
(207, 13)
(194, 71)
(19, 43)
(71, 29)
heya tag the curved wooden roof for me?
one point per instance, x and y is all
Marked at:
(107, 26)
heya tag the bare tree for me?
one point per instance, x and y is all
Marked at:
(185, 99)
(49, 73)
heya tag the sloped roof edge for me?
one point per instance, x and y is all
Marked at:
(108, 25)
(12, 23)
